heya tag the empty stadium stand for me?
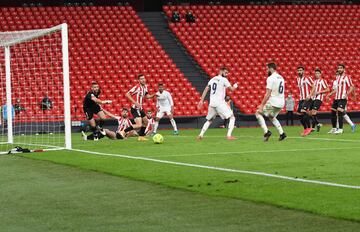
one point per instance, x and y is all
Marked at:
(246, 37)
(110, 45)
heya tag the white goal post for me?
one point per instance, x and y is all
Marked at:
(35, 89)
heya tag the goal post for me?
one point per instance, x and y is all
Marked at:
(35, 89)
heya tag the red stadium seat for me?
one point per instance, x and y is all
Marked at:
(247, 37)
(110, 45)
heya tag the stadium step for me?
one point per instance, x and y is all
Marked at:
(157, 23)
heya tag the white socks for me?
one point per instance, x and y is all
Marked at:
(204, 128)
(262, 123)
(156, 127)
(278, 126)
(348, 120)
(231, 125)
(173, 123)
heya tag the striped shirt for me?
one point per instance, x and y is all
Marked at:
(305, 85)
(320, 85)
(149, 126)
(123, 123)
(140, 92)
(342, 85)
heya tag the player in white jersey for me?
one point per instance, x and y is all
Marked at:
(217, 86)
(342, 88)
(272, 103)
(318, 91)
(140, 91)
(164, 105)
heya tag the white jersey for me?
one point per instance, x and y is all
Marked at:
(164, 100)
(218, 85)
(276, 83)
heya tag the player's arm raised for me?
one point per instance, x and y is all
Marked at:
(201, 102)
(100, 102)
(128, 96)
(110, 114)
(232, 88)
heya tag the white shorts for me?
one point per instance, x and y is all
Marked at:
(161, 112)
(270, 111)
(223, 110)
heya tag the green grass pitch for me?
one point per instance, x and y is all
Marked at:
(199, 185)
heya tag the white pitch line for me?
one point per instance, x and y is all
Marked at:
(221, 169)
(260, 137)
(252, 151)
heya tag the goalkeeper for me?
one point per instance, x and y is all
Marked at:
(91, 106)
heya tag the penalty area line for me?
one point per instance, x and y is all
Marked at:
(221, 169)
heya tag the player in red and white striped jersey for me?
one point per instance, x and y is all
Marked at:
(319, 88)
(140, 91)
(342, 88)
(151, 122)
(123, 122)
(305, 101)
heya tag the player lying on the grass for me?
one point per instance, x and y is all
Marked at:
(305, 101)
(318, 91)
(140, 91)
(342, 88)
(165, 106)
(272, 103)
(123, 122)
(217, 86)
(91, 106)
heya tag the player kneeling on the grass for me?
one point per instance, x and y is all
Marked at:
(217, 86)
(123, 122)
(140, 91)
(165, 105)
(91, 106)
(319, 88)
(272, 103)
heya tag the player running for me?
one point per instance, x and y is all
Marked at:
(342, 88)
(140, 91)
(91, 106)
(272, 103)
(123, 122)
(318, 91)
(164, 105)
(305, 101)
(217, 86)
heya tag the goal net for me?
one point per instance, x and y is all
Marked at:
(34, 89)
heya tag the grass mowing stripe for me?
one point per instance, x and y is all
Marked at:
(223, 169)
(257, 151)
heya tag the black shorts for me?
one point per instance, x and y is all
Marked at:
(316, 104)
(137, 113)
(340, 103)
(89, 112)
(304, 105)
(118, 136)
